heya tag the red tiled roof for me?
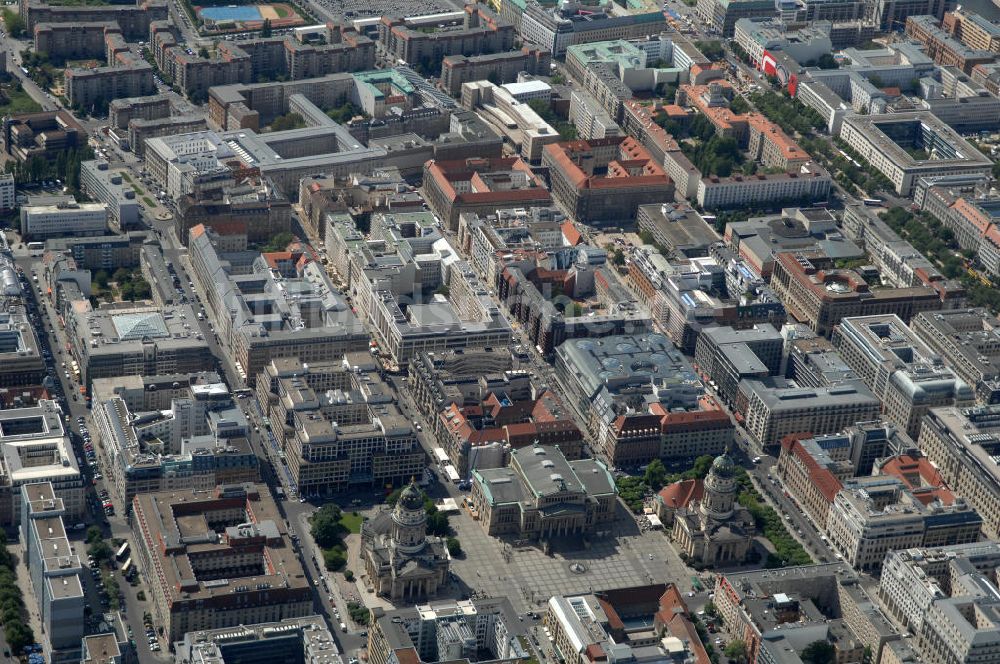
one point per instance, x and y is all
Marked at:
(572, 235)
(683, 493)
(825, 481)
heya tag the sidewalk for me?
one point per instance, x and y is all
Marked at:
(30, 601)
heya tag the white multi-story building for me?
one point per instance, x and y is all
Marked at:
(810, 182)
(54, 569)
(107, 186)
(899, 368)
(63, 220)
(7, 192)
(944, 151)
(773, 412)
(948, 598)
(913, 578)
(34, 448)
(874, 515)
(962, 444)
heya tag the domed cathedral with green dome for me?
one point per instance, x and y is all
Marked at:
(716, 530)
(401, 561)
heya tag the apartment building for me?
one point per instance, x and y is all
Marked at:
(604, 181)
(54, 570)
(973, 30)
(899, 368)
(36, 448)
(883, 141)
(107, 186)
(133, 19)
(214, 559)
(39, 222)
(774, 409)
(945, 50)
(338, 424)
(500, 68)
(820, 295)
(482, 32)
(72, 41)
(94, 88)
(152, 107)
(962, 443)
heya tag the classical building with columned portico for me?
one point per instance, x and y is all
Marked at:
(401, 561)
(541, 495)
(715, 529)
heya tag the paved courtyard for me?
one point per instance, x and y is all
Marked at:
(528, 576)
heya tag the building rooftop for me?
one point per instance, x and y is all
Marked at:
(188, 525)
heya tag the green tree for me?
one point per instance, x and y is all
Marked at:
(94, 534)
(18, 636)
(278, 243)
(325, 526)
(13, 22)
(711, 49)
(334, 559)
(265, 29)
(121, 275)
(454, 547)
(655, 475)
(618, 256)
(739, 105)
(99, 550)
(288, 121)
(818, 652)
(736, 650)
(203, 53)
(437, 524)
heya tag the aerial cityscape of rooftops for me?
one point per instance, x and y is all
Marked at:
(500, 332)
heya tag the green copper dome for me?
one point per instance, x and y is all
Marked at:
(724, 466)
(411, 498)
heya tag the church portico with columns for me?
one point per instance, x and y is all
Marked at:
(401, 562)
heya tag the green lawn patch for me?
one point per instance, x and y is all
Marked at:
(351, 521)
(148, 201)
(14, 100)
